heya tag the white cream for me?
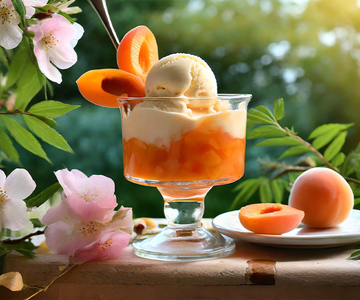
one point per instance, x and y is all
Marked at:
(154, 126)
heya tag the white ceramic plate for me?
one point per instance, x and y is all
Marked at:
(301, 237)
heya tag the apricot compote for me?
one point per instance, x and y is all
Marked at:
(204, 153)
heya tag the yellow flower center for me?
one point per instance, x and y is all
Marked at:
(90, 228)
(107, 244)
(49, 41)
(3, 197)
(89, 198)
(7, 15)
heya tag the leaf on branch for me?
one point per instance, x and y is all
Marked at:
(338, 159)
(355, 255)
(257, 117)
(43, 196)
(282, 141)
(265, 131)
(247, 188)
(325, 138)
(295, 150)
(327, 127)
(51, 109)
(266, 195)
(335, 146)
(46, 133)
(279, 109)
(24, 138)
(7, 147)
(277, 187)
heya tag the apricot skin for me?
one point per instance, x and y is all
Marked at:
(324, 196)
(270, 218)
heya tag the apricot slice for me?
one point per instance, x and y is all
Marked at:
(324, 196)
(103, 87)
(138, 52)
(270, 218)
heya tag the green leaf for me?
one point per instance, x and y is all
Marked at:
(51, 109)
(295, 150)
(24, 138)
(335, 146)
(265, 192)
(355, 255)
(325, 138)
(3, 58)
(338, 159)
(25, 248)
(257, 117)
(326, 127)
(248, 188)
(30, 83)
(277, 188)
(282, 141)
(266, 111)
(17, 65)
(265, 131)
(43, 196)
(279, 109)
(19, 7)
(7, 147)
(46, 133)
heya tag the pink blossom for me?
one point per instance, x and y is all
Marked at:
(13, 190)
(10, 32)
(30, 4)
(85, 221)
(54, 41)
(109, 246)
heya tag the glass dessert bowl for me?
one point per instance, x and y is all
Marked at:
(184, 147)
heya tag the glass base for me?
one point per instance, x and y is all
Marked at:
(184, 244)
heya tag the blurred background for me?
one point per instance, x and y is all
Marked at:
(307, 52)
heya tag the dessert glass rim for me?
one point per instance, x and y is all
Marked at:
(243, 97)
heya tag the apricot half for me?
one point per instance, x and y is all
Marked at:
(324, 196)
(104, 86)
(138, 51)
(270, 218)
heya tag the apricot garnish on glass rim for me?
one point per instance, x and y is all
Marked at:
(270, 218)
(102, 87)
(138, 51)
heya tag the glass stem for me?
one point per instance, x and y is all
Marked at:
(184, 208)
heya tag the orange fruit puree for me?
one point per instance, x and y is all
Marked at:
(201, 154)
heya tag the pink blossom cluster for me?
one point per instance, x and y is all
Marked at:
(85, 226)
(55, 36)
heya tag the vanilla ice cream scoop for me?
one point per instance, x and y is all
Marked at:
(181, 75)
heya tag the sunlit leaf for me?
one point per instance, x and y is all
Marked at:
(338, 159)
(265, 192)
(7, 146)
(266, 111)
(326, 127)
(43, 196)
(17, 65)
(24, 138)
(282, 141)
(355, 255)
(325, 138)
(266, 131)
(51, 109)
(19, 7)
(46, 133)
(279, 109)
(295, 150)
(293, 176)
(335, 146)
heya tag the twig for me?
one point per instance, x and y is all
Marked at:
(47, 285)
(10, 242)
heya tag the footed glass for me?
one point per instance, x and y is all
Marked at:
(184, 153)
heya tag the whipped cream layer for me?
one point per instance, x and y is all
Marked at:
(154, 126)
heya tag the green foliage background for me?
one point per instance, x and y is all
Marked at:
(307, 52)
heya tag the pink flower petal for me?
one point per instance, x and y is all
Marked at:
(61, 27)
(45, 66)
(63, 56)
(73, 182)
(2, 178)
(10, 35)
(109, 246)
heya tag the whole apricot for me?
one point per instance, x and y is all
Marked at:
(270, 218)
(324, 195)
